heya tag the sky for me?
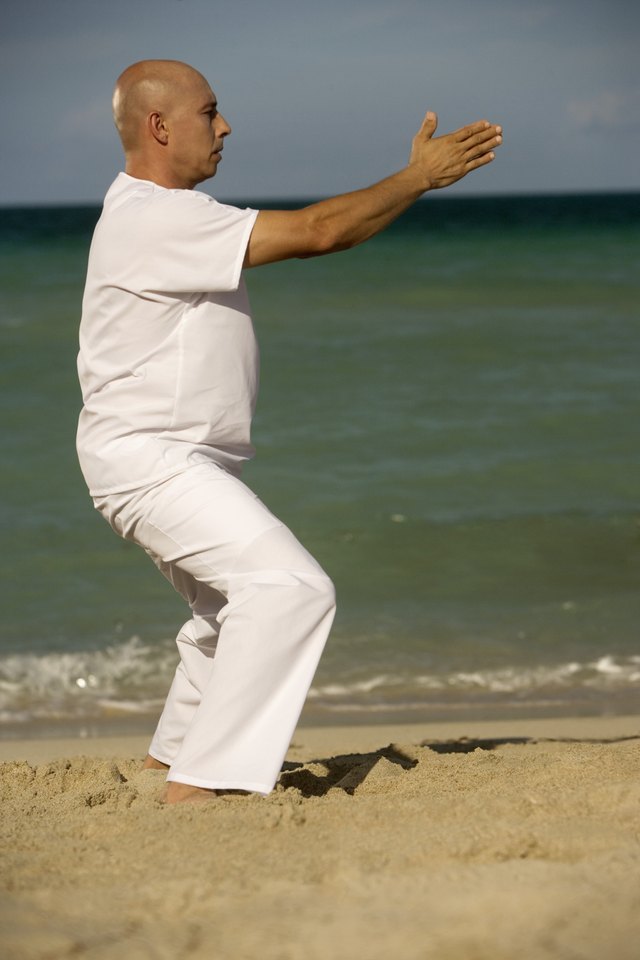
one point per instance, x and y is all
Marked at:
(324, 96)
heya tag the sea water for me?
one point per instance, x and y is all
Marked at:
(448, 420)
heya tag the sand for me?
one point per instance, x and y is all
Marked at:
(460, 842)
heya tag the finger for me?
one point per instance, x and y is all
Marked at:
(475, 162)
(476, 129)
(429, 124)
(483, 142)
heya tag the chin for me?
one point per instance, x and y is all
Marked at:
(206, 175)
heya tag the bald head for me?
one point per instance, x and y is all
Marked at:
(167, 117)
(147, 87)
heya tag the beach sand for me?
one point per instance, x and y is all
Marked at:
(512, 839)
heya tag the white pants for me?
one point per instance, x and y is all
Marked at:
(262, 610)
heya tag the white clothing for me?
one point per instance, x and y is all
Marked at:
(168, 359)
(169, 371)
(262, 610)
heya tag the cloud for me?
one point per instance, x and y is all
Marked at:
(609, 111)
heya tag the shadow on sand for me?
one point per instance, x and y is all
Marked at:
(315, 778)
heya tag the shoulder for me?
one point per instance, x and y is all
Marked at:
(149, 206)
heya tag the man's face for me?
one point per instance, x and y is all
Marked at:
(196, 133)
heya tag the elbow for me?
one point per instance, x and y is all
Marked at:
(322, 236)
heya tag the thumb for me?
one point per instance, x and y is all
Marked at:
(429, 124)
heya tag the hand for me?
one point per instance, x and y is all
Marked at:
(443, 160)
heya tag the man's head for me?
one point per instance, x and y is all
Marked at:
(168, 121)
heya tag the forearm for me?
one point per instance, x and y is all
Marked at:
(351, 218)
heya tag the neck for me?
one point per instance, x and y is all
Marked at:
(144, 169)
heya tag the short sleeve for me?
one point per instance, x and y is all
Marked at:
(182, 241)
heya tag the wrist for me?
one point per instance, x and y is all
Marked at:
(419, 177)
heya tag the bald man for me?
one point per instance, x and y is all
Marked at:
(168, 366)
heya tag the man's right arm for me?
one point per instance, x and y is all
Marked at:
(344, 221)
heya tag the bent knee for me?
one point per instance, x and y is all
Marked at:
(304, 586)
(325, 587)
(308, 595)
(282, 593)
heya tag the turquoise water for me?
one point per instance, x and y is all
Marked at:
(448, 420)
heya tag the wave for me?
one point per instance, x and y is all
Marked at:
(131, 678)
(606, 674)
(128, 677)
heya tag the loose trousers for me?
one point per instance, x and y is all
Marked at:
(261, 608)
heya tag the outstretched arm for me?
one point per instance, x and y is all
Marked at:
(344, 221)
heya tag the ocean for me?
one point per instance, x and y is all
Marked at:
(448, 420)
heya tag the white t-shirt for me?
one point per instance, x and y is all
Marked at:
(168, 359)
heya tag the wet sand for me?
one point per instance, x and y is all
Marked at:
(450, 841)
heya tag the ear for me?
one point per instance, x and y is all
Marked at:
(158, 128)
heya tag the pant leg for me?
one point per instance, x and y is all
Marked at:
(196, 642)
(240, 706)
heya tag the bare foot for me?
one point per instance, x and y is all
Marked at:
(186, 793)
(150, 763)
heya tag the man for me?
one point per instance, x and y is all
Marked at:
(168, 368)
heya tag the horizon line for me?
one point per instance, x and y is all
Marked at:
(308, 199)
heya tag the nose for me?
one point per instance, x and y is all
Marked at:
(223, 127)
